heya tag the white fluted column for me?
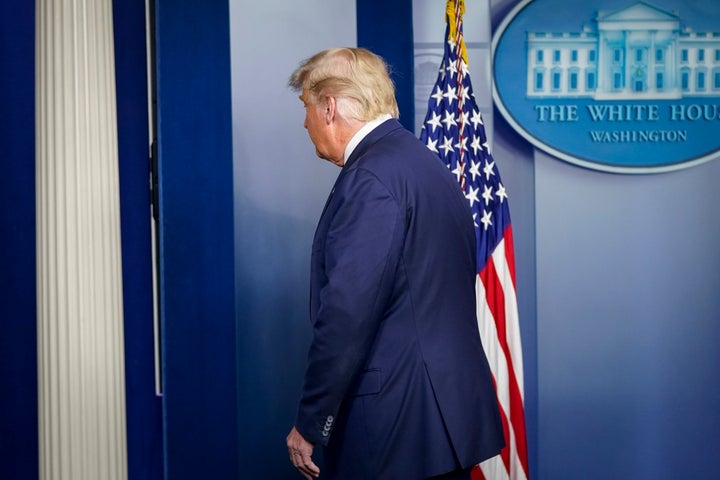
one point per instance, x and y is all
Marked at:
(81, 375)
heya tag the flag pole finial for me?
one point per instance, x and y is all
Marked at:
(454, 10)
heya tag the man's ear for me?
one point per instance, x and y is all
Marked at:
(330, 109)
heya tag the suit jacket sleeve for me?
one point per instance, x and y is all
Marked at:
(356, 251)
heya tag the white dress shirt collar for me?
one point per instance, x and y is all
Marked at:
(362, 133)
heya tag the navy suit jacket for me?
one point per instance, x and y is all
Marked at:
(397, 384)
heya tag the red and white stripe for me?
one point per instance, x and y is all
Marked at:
(499, 326)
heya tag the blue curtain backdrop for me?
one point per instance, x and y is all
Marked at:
(18, 345)
(18, 360)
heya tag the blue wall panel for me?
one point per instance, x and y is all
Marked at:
(196, 237)
(386, 28)
(628, 330)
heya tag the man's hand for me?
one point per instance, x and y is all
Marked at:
(300, 451)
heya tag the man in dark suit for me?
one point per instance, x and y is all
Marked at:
(397, 385)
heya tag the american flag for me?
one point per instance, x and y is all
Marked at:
(454, 129)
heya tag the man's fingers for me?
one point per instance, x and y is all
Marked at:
(304, 464)
(307, 467)
(300, 452)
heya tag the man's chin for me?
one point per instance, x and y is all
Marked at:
(339, 162)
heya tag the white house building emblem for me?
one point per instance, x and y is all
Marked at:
(632, 89)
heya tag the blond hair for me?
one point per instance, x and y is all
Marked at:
(353, 74)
